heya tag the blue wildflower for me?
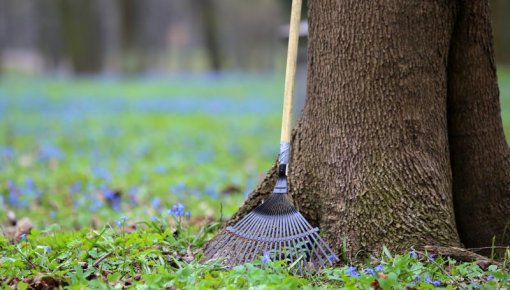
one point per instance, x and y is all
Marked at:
(11, 186)
(103, 174)
(266, 257)
(23, 237)
(122, 220)
(7, 152)
(13, 198)
(351, 271)
(489, 277)
(379, 268)
(178, 209)
(370, 271)
(156, 202)
(178, 188)
(431, 258)
(429, 280)
(332, 258)
(154, 218)
(187, 214)
(113, 198)
(50, 152)
(97, 204)
(160, 169)
(133, 199)
(413, 254)
(75, 187)
(47, 250)
(417, 278)
(211, 192)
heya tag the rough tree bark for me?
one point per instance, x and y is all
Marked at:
(479, 152)
(401, 120)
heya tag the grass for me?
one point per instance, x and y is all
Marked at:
(123, 180)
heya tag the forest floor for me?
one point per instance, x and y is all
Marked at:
(117, 183)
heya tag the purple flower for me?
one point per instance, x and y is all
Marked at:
(122, 220)
(332, 258)
(178, 210)
(370, 271)
(160, 169)
(187, 214)
(154, 218)
(47, 250)
(11, 185)
(75, 187)
(379, 268)
(50, 152)
(266, 257)
(7, 152)
(103, 174)
(429, 280)
(489, 277)
(431, 258)
(156, 202)
(413, 254)
(24, 237)
(133, 192)
(113, 198)
(417, 278)
(351, 271)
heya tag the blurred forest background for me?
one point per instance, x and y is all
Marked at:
(133, 36)
(140, 36)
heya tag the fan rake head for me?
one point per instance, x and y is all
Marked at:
(274, 230)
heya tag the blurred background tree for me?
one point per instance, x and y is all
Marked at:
(126, 36)
(133, 36)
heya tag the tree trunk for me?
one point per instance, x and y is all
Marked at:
(376, 108)
(210, 33)
(401, 96)
(479, 152)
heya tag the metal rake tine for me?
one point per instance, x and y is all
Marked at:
(224, 242)
(280, 236)
(295, 240)
(312, 244)
(247, 241)
(246, 219)
(272, 236)
(253, 221)
(212, 248)
(305, 223)
(262, 230)
(288, 234)
(298, 228)
(320, 242)
(241, 244)
(298, 262)
(262, 243)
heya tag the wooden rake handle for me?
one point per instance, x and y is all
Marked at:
(290, 72)
(290, 77)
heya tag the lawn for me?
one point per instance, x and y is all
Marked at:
(122, 181)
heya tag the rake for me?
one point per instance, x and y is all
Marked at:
(275, 230)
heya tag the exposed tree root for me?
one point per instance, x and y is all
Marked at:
(460, 254)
